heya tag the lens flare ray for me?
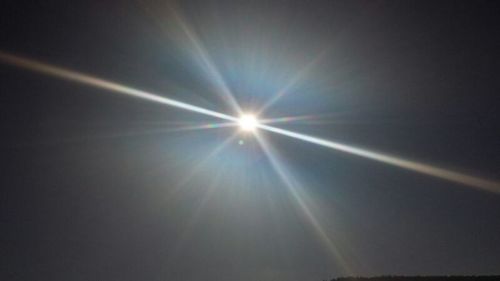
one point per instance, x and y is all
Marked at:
(103, 84)
(144, 133)
(85, 79)
(289, 119)
(202, 163)
(298, 77)
(422, 168)
(206, 61)
(295, 190)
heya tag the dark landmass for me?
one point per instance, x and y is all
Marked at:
(421, 278)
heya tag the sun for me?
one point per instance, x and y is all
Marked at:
(248, 122)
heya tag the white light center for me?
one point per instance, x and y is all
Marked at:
(248, 122)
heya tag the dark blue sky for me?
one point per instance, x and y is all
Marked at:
(102, 186)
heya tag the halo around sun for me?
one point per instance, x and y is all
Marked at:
(248, 122)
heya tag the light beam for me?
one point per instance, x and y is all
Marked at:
(248, 122)
(207, 62)
(422, 168)
(295, 190)
(85, 79)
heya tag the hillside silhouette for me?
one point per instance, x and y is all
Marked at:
(420, 278)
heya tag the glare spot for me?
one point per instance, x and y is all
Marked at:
(248, 122)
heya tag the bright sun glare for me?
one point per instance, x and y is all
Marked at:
(248, 122)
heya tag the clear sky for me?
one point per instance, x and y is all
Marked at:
(101, 186)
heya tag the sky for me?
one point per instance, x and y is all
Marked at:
(98, 185)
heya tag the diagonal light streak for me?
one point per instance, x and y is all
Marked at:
(203, 162)
(187, 228)
(294, 188)
(202, 53)
(203, 127)
(287, 119)
(298, 77)
(394, 161)
(103, 84)
(144, 133)
(85, 79)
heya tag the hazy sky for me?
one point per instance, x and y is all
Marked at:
(101, 186)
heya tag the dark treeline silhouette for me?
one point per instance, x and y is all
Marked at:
(420, 278)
